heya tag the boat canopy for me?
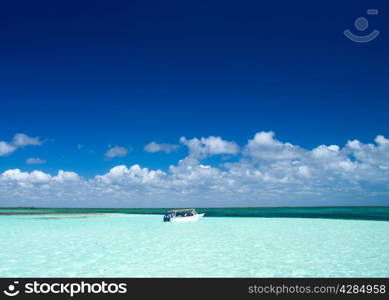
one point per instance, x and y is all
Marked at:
(180, 210)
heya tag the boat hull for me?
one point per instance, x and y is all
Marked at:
(187, 219)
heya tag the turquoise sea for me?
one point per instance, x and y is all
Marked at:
(245, 242)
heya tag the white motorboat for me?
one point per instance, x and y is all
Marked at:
(182, 215)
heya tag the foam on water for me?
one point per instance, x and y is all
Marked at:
(123, 245)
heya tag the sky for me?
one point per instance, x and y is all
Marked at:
(193, 103)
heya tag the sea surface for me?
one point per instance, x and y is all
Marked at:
(249, 242)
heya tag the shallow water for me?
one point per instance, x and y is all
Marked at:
(374, 213)
(126, 245)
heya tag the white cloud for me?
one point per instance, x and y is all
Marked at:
(64, 176)
(381, 140)
(205, 147)
(6, 149)
(304, 171)
(268, 172)
(21, 140)
(265, 147)
(116, 151)
(35, 161)
(135, 174)
(25, 177)
(37, 177)
(157, 147)
(370, 154)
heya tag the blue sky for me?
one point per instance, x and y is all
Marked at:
(86, 77)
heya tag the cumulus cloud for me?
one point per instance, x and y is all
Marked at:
(205, 147)
(116, 151)
(25, 177)
(370, 154)
(63, 176)
(35, 161)
(157, 147)
(265, 147)
(267, 172)
(19, 140)
(135, 174)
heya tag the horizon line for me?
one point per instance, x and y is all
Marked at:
(210, 207)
